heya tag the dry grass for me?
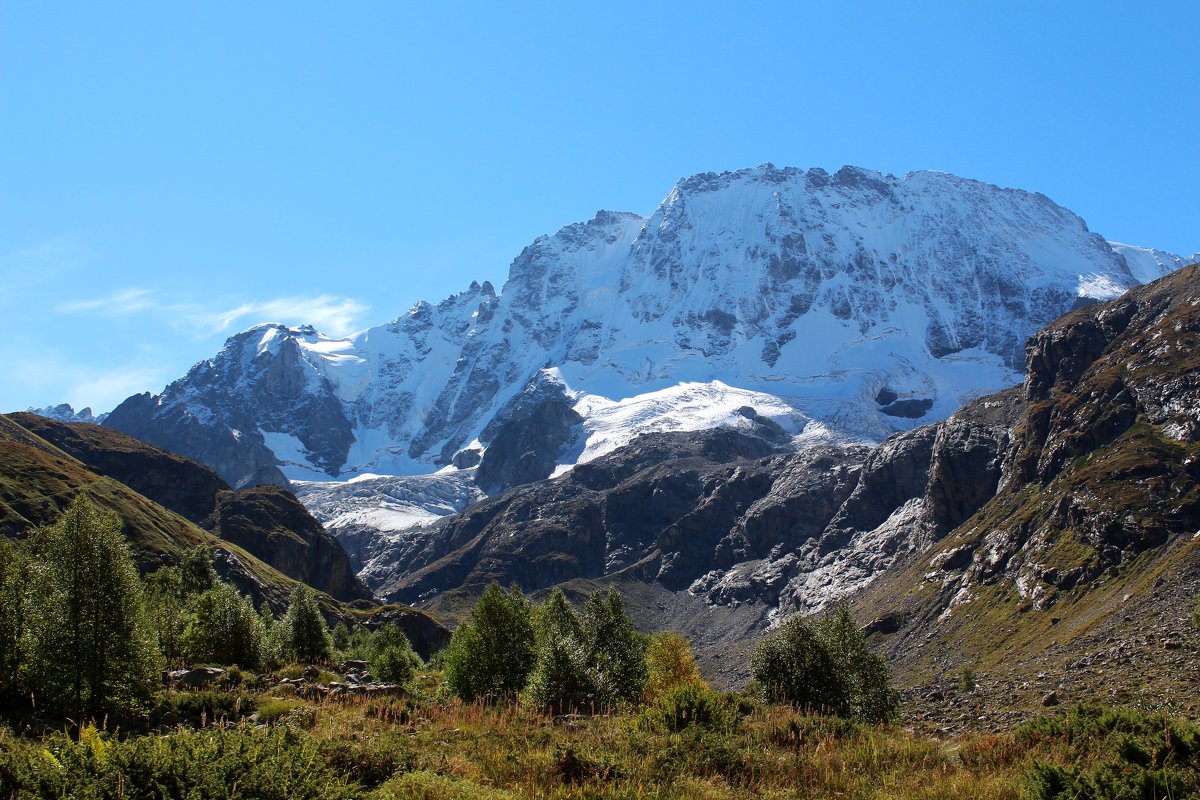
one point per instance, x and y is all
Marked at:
(450, 749)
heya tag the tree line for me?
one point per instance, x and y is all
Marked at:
(82, 633)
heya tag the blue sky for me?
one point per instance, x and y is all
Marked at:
(171, 173)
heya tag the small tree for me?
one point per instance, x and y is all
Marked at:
(275, 639)
(493, 650)
(669, 665)
(865, 677)
(792, 666)
(196, 572)
(616, 652)
(824, 667)
(305, 633)
(87, 640)
(13, 578)
(224, 629)
(165, 608)
(560, 665)
(340, 636)
(392, 658)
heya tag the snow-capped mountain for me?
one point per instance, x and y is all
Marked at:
(65, 412)
(1147, 264)
(846, 305)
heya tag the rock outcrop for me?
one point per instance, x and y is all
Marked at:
(272, 524)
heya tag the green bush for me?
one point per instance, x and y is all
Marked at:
(236, 762)
(213, 703)
(825, 667)
(391, 657)
(1112, 753)
(224, 629)
(492, 652)
(424, 785)
(693, 704)
(369, 761)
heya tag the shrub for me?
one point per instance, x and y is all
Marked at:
(493, 650)
(392, 658)
(825, 667)
(240, 761)
(1114, 753)
(669, 664)
(369, 761)
(224, 629)
(212, 703)
(424, 785)
(693, 704)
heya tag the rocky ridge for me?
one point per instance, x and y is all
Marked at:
(266, 521)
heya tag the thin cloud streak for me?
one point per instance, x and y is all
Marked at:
(335, 316)
(124, 302)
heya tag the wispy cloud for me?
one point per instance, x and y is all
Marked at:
(126, 301)
(106, 389)
(40, 264)
(336, 316)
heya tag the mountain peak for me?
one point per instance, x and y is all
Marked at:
(813, 294)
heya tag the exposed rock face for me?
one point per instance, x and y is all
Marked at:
(1095, 504)
(526, 447)
(601, 517)
(272, 524)
(719, 515)
(1112, 425)
(240, 460)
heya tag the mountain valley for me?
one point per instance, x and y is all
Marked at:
(783, 389)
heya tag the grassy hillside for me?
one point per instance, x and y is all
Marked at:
(38, 482)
